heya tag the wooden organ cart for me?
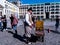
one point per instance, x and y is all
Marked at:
(39, 30)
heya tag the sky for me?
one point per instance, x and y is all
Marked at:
(36, 1)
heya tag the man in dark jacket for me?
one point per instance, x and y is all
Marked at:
(11, 18)
(57, 22)
(4, 20)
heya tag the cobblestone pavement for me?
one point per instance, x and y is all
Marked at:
(8, 38)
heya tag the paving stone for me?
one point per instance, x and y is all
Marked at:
(51, 38)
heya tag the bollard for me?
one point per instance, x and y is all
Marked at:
(48, 30)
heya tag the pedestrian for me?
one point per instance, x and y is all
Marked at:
(24, 27)
(57, 22)
(14, 23)
(11, 18)
(28, 24)
(33, 19)
(4, 20)
(0, 22)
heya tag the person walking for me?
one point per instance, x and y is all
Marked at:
(14, 23)
(57, 22)
(28, 24)
(0, 22)
(4, 20)
(11, 18)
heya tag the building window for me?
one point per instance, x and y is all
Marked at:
(38, 10)
(41, 9)
(38, 13)
(52, 9)
(47, 3)
(42, 4)
(52, 16)
(42, 17)
(52, 3)
(41, 12)
(56, 16)
(57, 6)
(56, 12)
(34, 7)
(57, 3)
(52, 6)
(56, 9)
(34, 13)
(52, 12)
(6, 6)
(38, 4)
(38, 7)
(49, 8)
(34, 10)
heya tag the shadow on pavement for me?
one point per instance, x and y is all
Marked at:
(10, 32)
(17, 36)
(22, 38)
(33, 38)
(55, 31)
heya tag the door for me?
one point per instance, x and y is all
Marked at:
(47, 15)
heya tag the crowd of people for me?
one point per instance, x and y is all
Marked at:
(28, 24)
(3, 22)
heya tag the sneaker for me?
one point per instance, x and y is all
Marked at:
(29, 43)
(6, 29)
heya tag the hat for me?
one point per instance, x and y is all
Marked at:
(30, 9)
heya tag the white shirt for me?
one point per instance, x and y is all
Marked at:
(27, 18)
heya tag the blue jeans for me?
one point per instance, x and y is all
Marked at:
(57, 25)
(0, 25)
(14, 27)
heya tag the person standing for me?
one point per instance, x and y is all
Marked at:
(57, 22)
(28, 24)
(14, 23)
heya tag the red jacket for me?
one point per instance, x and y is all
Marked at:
(15, 21)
